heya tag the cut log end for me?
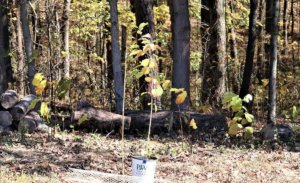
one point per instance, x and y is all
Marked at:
(5, 118)
(8, 99)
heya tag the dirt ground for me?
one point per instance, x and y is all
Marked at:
(39, 158)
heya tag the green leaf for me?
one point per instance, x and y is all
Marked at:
(228, 97)
(249, 130)
(237, 118)
(236, 103)
(139, 74)
(248, 98)
(33, 104)
(83, 119)
(63, 87)
(294, 113)
(249, 117)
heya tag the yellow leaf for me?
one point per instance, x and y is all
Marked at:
(177, 90)
(166, 84)
(145, 62)
(152, 64)
(145, 70)
(234, 128)
(38, 77)
(148, 79)
(180, 98)
(265, 82)
(44, 110)
(193, 124)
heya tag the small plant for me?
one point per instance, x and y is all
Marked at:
(242, 117)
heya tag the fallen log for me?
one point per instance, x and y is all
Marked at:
(32, 122)
(97, 119)
(5, 119)
(162, 121)
(8, 99)
(22, 107)
(166, 121)
(27, 125)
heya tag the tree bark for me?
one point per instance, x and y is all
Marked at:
(65, 33)
(213, 86)
(260, 48)
(116, 56)
(97, 119)
(250, 49)
(144, 14)
(181, 28)
(5, 63)
(273, 63)
(20, 53)
(28, 44)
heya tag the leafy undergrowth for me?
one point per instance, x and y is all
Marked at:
(39, 158)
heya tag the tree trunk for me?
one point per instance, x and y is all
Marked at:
(181, 28)
(285, 32)
(20, 53)
(213, 86)
(260, 48)
(65, 33)
(273, 63)
(250, 49)
(144, 14)
(5, 63)
(235, 73)
(28, 44)
(116, 56)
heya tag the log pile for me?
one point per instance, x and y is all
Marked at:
(16, 113)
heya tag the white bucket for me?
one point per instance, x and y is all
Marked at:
(144, 168)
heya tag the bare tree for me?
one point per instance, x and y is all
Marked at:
(5, 64)
(30, 60)
(181, 29)
(213, 86)
(250, 49)
(116, 55)
(65, 33)
(273, 62)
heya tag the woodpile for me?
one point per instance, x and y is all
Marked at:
(16, 113)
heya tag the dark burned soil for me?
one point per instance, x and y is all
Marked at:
(39, 158)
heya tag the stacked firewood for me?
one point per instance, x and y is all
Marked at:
(16, 113)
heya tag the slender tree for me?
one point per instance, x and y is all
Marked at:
(143, 10)
(273, 62)
(116, 55)
(213, 86)
(181, 28)
(30, 60)
(5, 64)
(65, 33)
(252, 33)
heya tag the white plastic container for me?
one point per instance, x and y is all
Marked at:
(144, 168)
